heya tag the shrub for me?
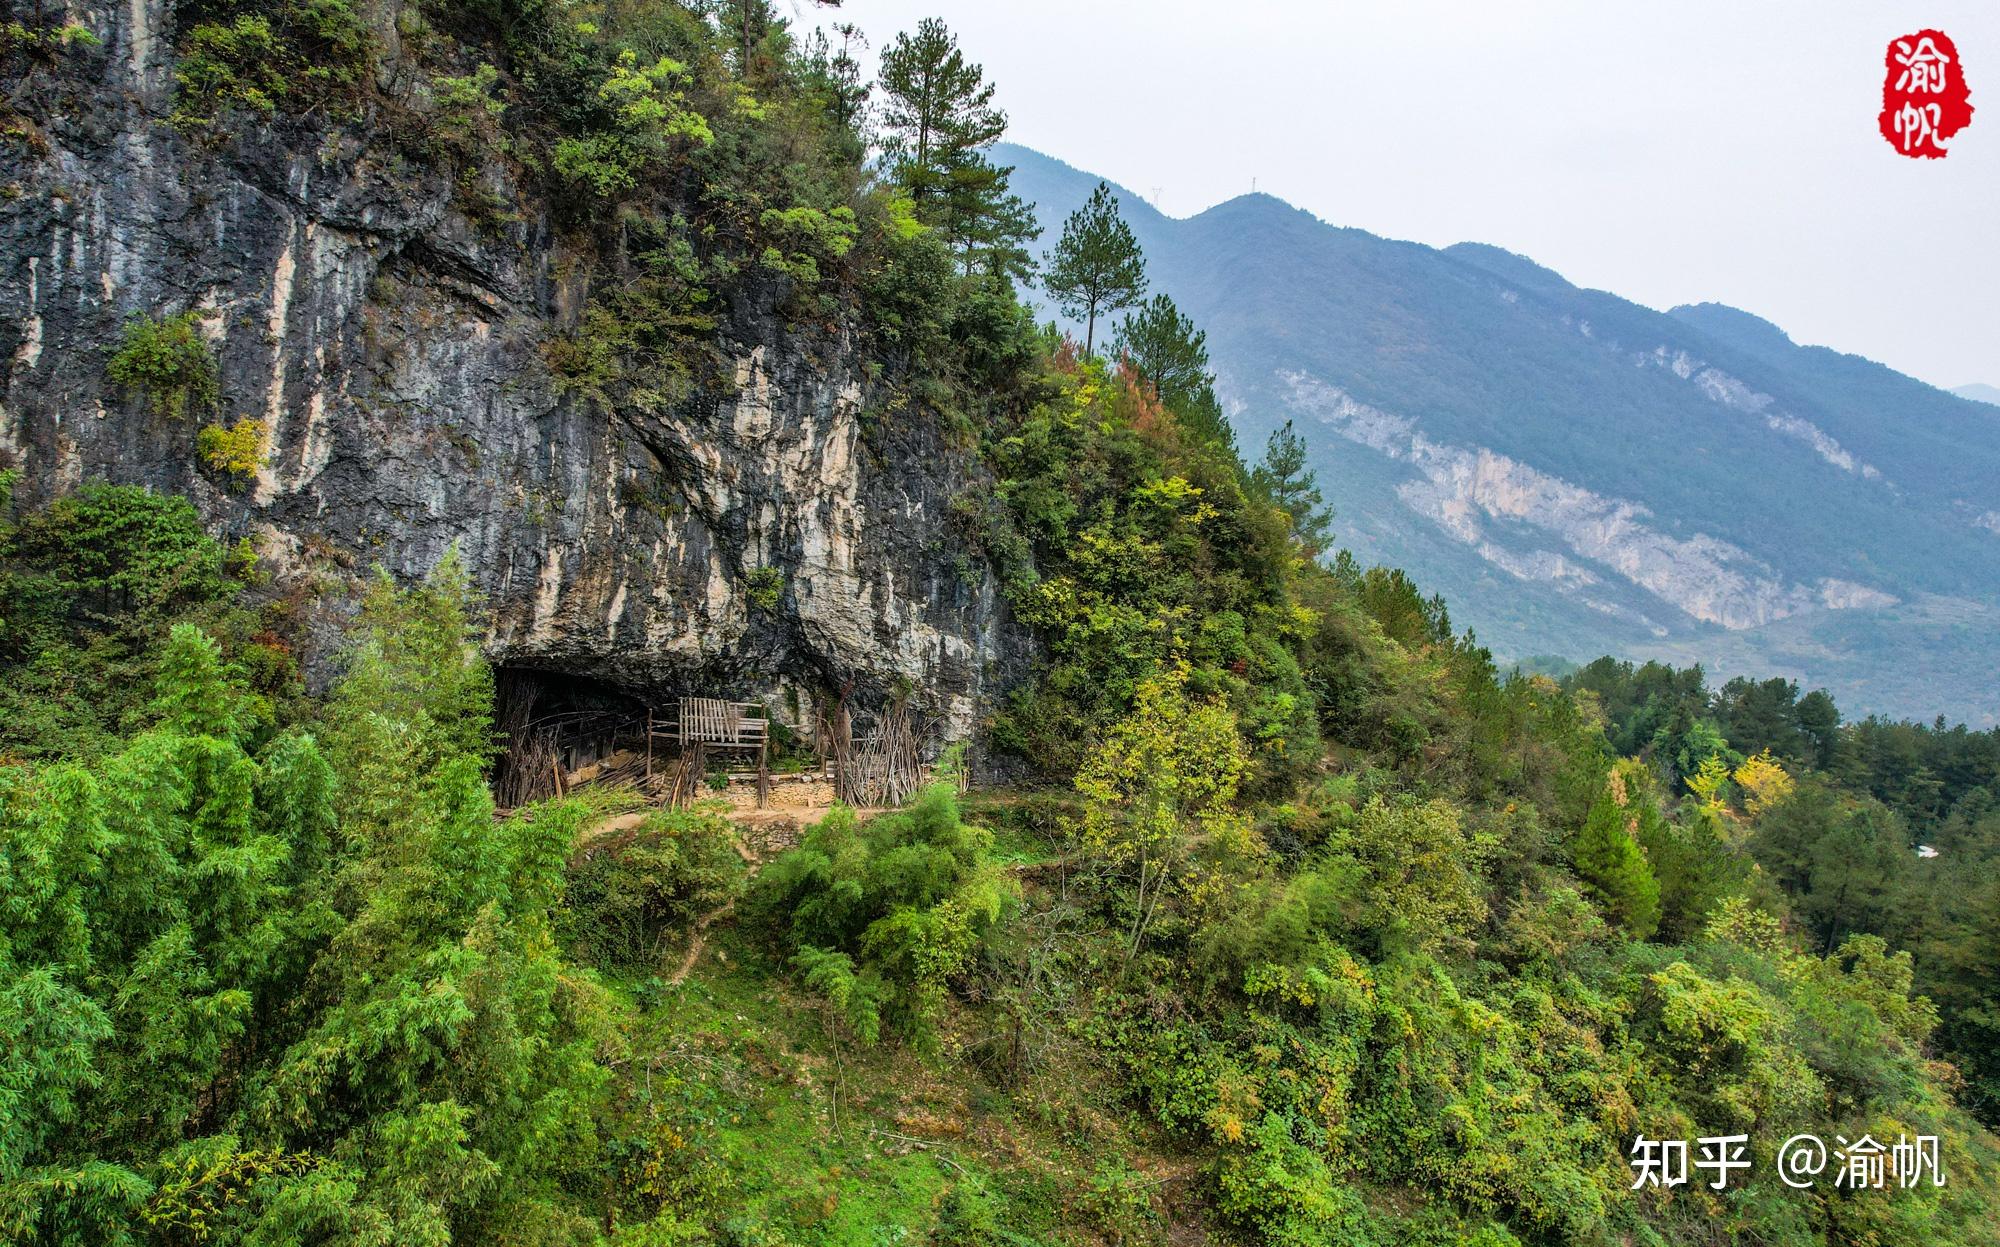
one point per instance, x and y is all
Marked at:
(808, 236)
(299, 53)
(909, 290)
(111, 549)
(971, 1215)
(1284, 1192)
(622, 902)
(47, 39)
(88, 584)
(1118, 1203)
(166, 363)
(234, 64)
(236, 451)
(882, 917)
(466, 108)
(651, 119)
(764, 586)
(640, 345)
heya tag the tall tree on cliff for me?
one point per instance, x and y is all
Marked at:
(989, 226)
(839, 75)
(1097, 267)
(1293, 488)
(938, 120)
(1168, 353)
(747, 26)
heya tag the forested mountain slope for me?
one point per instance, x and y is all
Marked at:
(1579, 474)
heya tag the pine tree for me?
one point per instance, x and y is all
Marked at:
(1168, 353)
(1693, 863)
(936, 107)
(838, 76)
(938, 120)
(1610, 861)
(756, 36)
(1293, 488)
(989, 225)
(1819, 720)
(1097, 267)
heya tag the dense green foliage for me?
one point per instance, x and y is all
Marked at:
(1449, 910)
(1842, 844)
(239, 54)
(265, 990)
(630, 898)
(1609, 859)
(1315, 928)
(294, 982)
(167, 363)
(882, 918)
(91, 584)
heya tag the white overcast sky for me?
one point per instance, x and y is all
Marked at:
(1669, 152)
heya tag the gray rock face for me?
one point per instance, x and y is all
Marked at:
(396, 352)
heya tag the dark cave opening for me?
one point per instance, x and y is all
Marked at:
(552, 723)
(558, 729)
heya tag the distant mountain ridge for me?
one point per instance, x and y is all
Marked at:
(1979, 392)
(1579, 474)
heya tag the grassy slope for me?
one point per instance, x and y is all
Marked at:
(817, 1140)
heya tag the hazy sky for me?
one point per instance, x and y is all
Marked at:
(1671, 153)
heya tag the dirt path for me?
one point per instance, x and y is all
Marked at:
(611, 825)
(699, 940)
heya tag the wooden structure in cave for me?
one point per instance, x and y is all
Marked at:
(698, 725)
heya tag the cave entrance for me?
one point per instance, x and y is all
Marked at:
(555, 725)
(561, 730)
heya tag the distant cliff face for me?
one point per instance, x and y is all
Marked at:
(749, 537)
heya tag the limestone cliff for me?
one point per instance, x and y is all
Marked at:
(748, 537)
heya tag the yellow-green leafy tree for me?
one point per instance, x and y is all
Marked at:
(1161, 785)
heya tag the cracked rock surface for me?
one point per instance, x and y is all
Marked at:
(395, 350)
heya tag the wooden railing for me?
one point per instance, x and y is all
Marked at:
(713, 722)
